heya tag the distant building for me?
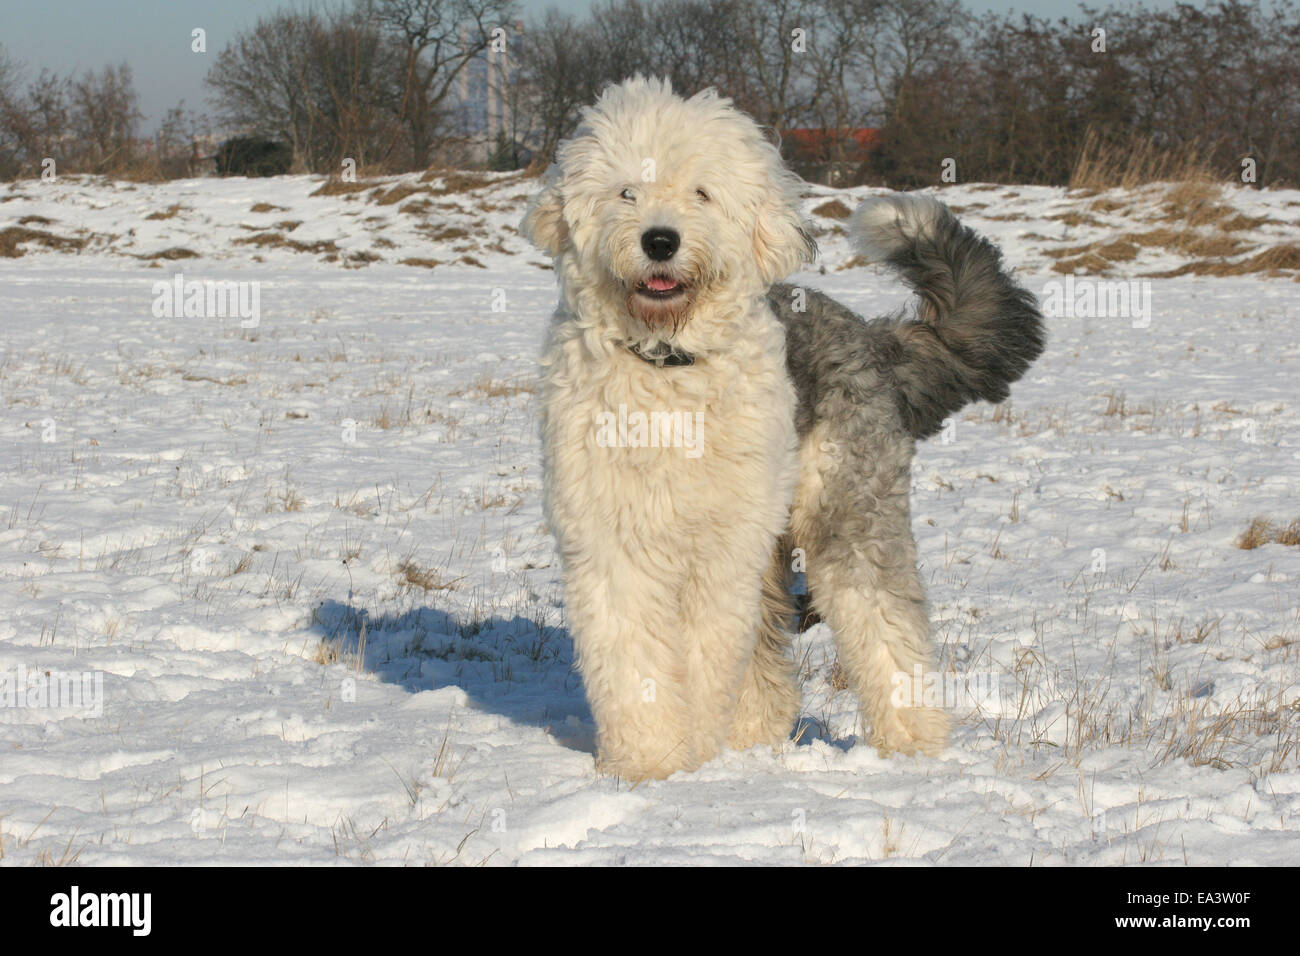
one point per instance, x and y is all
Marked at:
(483, 112)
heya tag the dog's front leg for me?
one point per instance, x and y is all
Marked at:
(622, 612)
(722, 606)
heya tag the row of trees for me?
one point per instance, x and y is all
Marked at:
(1007, 98)
(87, 122)
(374, 81)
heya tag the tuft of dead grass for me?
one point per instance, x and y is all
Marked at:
(171, 212)
(1212, 251)
(426, 579)
(1241, 221)
(1189, 243)
(171, 254)
(13, 239)
(485, 386)
(1073, 219)
(340, 187)
(1195, 203)
(1087, 264)
(1106, 164)
(1107, 205)
(1262, 531)
(445, 233)
(399, 192)
(279, 241)
(1272, 261)
(1121, 250)
(833, 209)
(453, 181)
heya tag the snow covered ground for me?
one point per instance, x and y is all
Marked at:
(301, 566)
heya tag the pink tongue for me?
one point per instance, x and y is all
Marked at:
(659, 284)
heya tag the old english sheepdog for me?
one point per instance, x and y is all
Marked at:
(705, 427)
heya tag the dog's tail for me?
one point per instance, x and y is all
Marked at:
(977, 331)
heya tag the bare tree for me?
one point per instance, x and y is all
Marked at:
(104, 113)
(260, 84)
(439, 39)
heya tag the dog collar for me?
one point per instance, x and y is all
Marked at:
(662, 355)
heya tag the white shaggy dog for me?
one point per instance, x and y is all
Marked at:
(672, 421)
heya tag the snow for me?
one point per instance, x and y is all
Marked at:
(331, 643)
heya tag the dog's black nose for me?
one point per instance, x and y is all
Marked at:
(660, 244)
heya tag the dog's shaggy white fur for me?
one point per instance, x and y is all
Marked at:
(672, 439)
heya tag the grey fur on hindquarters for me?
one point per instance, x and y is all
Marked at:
(868, 390)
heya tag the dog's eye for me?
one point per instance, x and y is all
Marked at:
(628, 195)
(702, 194)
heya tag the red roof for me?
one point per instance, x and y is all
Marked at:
(822, 143)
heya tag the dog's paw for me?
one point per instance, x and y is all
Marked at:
(909, 730)
(638, 767)
(884, 226)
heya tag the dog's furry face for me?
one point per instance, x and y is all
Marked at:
(668, 205)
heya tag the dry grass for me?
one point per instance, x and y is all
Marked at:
(1074, 219)
(422, 263)
(340, 187)
(142, 171)
(398, 193)
(13, 238)
(267, 207)
(1262, 531)
(1105, 165)
(453, 181)
(230, 382)
(171, 212)
(1108, 205)
(1272, 261)
(485, 386)
(1195, 203)
(834, 209)
(171, 254)
(1211, 250)
(1240, 221)
(1121, 250)
(279, 241)
(1088, 264)
(445, 233)
(413, 575)
(1185, 242)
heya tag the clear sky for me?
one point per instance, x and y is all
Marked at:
(153, 36)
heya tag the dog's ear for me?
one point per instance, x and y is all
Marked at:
(544, 224)
(781, 244)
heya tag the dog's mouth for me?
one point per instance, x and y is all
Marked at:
(660, 288)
